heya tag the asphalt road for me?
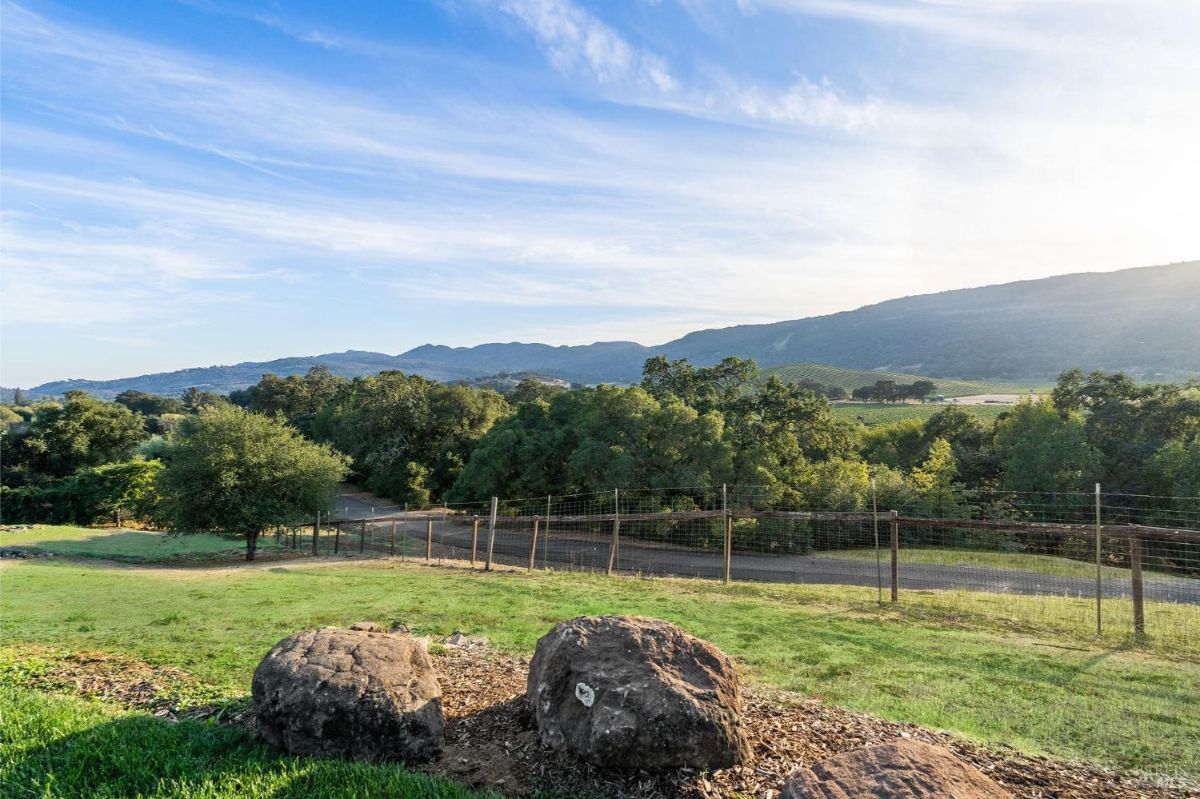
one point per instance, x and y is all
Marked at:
(574, 550)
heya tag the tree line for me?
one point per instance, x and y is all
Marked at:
(891, 391)
(273, 453)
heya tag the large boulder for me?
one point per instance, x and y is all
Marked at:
(902, 769)
(355, 693)
(627, 693)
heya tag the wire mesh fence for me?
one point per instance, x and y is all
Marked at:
(1114, 553)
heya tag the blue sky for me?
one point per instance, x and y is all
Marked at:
(210, 181)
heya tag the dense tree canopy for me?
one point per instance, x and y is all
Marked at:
(713, 388)
(409, 437)
(298, 398)
(1040, 449)
(596, 439)
(891, 391)
(419, 441)
(1126, 423)
(149, 404)
(82, 431)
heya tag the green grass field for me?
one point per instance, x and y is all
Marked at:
(850, 379)
(1018, 670)
(150, 547)
(94, 750)
(133, 546)
(1041, 564)
(873, 413)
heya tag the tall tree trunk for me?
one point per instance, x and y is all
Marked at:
(251, 545)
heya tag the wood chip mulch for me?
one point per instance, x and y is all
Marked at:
(490, 741)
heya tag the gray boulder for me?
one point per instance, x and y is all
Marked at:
(354, 693)
(627, 693)
(903, 769)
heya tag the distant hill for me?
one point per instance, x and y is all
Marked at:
(1143, 321)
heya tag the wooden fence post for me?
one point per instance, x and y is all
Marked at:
(616, 536)
(533, 543)
(1135, 571)
(393, 547)
(474, 538)
(492, 533)
(895, 555)
(337, 536)
(316, 532)
(428, 538)
(362, 537)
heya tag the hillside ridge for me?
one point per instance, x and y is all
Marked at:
(1143, 320)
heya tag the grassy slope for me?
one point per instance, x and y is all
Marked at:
(851, 379)
(95, 751)
(955, 661)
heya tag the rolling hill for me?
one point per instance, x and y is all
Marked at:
(1144, 321)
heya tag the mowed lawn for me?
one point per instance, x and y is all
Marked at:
(133, 546)
(1016, 670)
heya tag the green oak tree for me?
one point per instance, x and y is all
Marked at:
(1042, 450)
(82, 431)
(240, 473)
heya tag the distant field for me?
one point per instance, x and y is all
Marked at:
(851, 379)
(873, 413)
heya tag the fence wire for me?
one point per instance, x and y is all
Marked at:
(1005, 543)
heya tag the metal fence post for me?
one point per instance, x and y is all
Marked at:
(1098, 586)
(616, 535)
(875, 526)
(393, 545)
(895, 555)
(727, 523)
(546, 537)
(428, 538)
(533, 543)
(492, 533)
(362, 537)
(1135, 571)
(316, 532)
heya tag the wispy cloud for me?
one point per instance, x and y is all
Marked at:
(574, 39)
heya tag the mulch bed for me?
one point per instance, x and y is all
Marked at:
(490, 741)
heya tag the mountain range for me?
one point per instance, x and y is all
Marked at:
(1144, 321)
